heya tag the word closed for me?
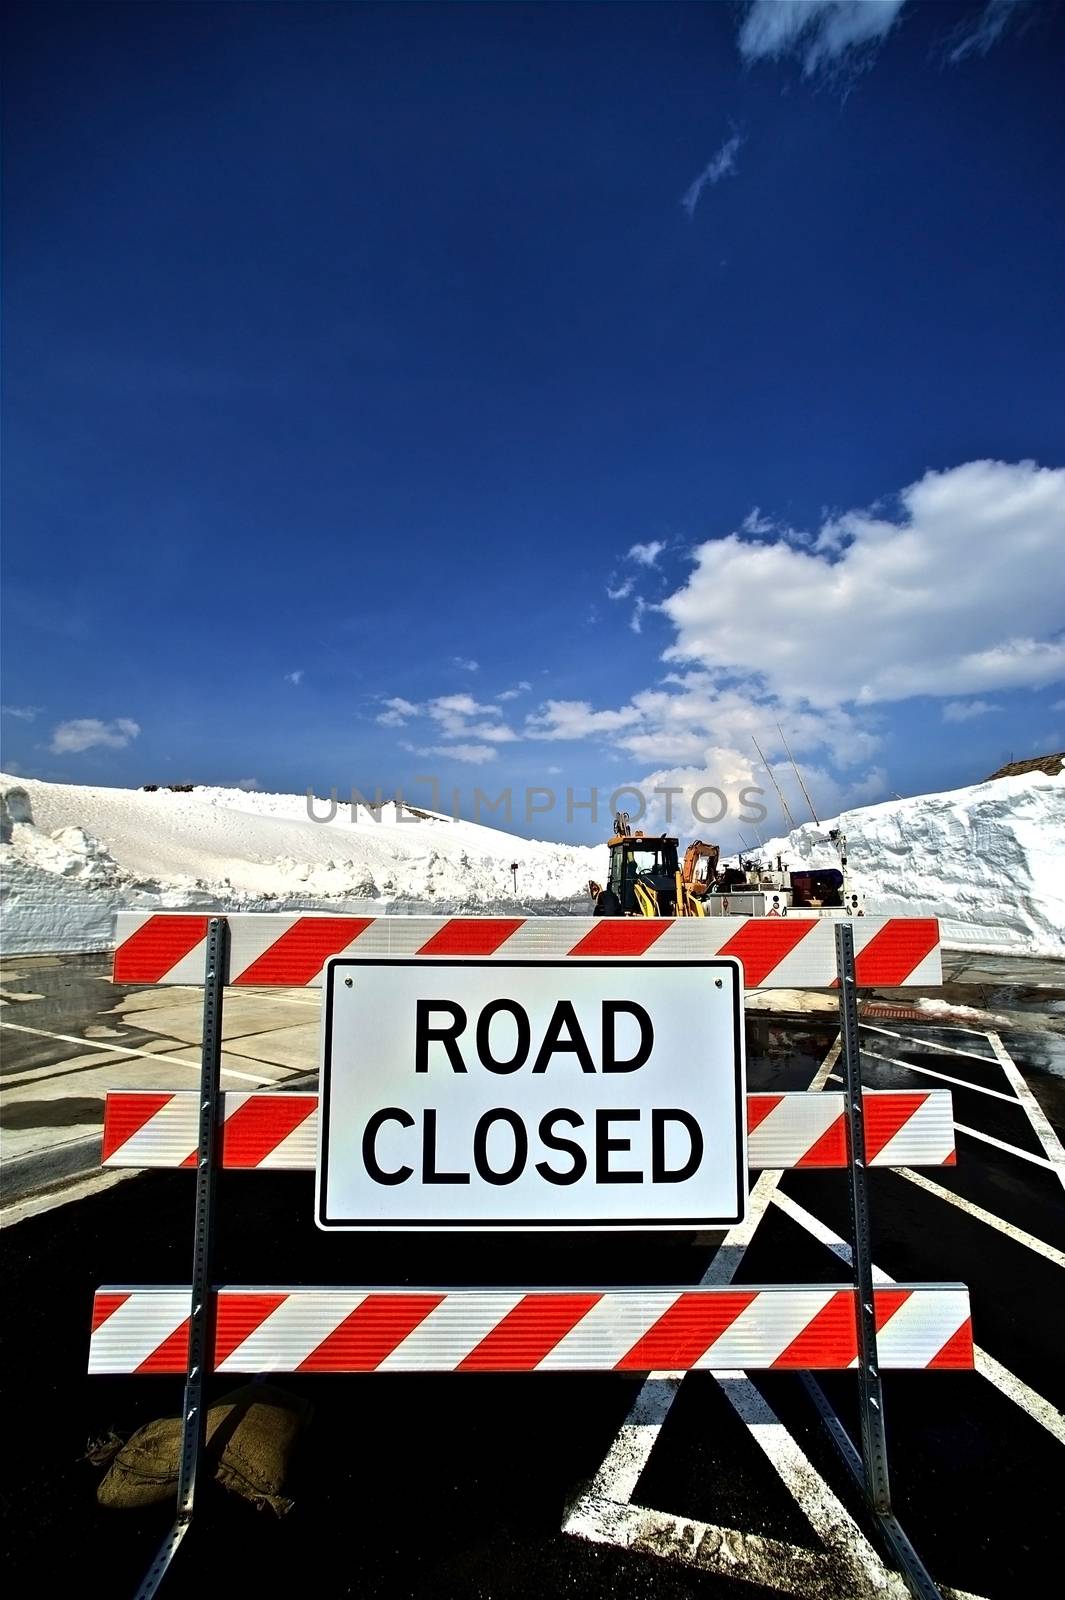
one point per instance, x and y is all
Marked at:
(483, 1094)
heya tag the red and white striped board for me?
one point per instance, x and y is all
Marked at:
(523, 1330)
(269, 950)
(278, 1131)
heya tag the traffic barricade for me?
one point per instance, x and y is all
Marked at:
(457, 1014)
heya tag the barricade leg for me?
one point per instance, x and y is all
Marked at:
(194, 1412)
(871, 1467)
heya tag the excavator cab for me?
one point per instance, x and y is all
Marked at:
(643, 873)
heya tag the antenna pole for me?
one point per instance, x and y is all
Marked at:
(798, 774)
(788, 818)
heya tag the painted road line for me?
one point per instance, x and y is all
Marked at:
(123, 1050)
(932, 1045)
(944, 1077)
(1015, 1389)
(773, 1564)
(822, 1233)
(726, 1552)
(630, 1450)
(1011, 1149)
(827, 1516)
(1018, 1235)
(1036, 1115)
(1038, 1408)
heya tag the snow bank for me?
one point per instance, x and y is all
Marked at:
(989, 861)
(71, 856)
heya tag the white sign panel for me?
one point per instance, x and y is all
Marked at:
(489, 1094)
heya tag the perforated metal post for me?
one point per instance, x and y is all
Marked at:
(201, 1310)
(871, 1402)
(871, 1469)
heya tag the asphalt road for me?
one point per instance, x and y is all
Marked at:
(465, 1486)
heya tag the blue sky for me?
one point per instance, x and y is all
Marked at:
(672, 372)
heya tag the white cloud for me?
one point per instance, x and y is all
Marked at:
(646, 554)
(248, 784)
(465, 664)
(21, 713)
(397, 711)
(621, 592)
(1059, 705)
(966, 710)
(575, 719)
(458, 716)
(636, 620)
(521, 687)
(962, 593)
(87, 733)
(295, 677)
(754, 522)
(721, 165)
(473, 754)
(977, 36)
(820, 32)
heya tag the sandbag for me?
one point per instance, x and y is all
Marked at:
(250, 1436)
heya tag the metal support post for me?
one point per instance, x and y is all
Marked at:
(870, 1469)
(201, 1312)
(870, 1397)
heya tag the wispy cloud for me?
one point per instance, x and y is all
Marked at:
(722, 165)
(474, 755)
(295, 677)
(646, 554)
(88, 733)
(819, 32)
(465, 664)
(829, 35)
(520, 688)
(966, 710)
(620, 592)
(22, 713)
(248, 784)
(396, 712)
(977, 36)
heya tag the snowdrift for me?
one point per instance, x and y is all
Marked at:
(71, 856)
(988, 860)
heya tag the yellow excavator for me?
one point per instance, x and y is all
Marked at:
(647, 880)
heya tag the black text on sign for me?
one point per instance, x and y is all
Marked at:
(487, 1094)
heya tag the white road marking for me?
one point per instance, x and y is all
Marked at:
(1038, 1408)
(1017, 1390)
(1036, 1115)
(1011, 1149)
(944, 1077)
(807, 1574)
(124, 1050)
(605, 1513)
(1017, 1234)
(930, 1044)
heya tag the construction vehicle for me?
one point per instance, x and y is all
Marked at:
(647, 879)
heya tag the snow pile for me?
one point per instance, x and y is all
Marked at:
(989, 861)
(230, 849)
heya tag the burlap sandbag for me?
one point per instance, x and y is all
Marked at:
(250, 1435)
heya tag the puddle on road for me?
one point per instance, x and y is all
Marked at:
(59, 1112)
(785, 1055)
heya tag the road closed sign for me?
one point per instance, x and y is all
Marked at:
(488, 1094)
